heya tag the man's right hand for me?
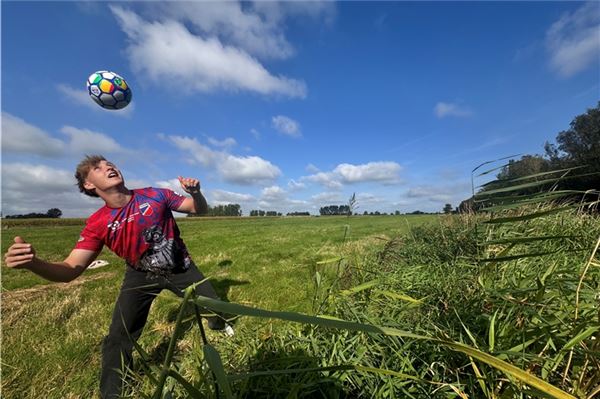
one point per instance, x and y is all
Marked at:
(20, 254)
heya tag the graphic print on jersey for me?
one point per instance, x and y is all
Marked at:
(163, 257)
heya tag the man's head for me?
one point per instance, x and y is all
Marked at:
(94, 171)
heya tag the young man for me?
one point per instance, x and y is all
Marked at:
(139, 227)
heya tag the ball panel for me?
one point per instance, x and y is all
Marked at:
(108, 75)
(121, 104)
(119, 95)
(95, 90)
(106, 86)
(107, 99)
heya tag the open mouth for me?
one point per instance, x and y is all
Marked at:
(113, 174)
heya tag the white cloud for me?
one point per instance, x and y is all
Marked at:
(294, 185)
(228, 197)
(256, 27)
(443, 110)
(19, 136)
(234, 169)
(168, 51)
(198, 152)
(369, 172)
(171, 184)
(327, 179)
(385, 172)
(227, 20)
(310, 168)
(81, 97)
(574, 40)
(273, 193)
(286, 125)
(225, 143)
(85, 141)
(30, 188)
(327, 196)
(248, 170)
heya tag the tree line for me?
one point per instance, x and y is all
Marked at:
(577, 147)
(52, 213)
(221, 210)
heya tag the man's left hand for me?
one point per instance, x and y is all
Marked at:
(189, 185)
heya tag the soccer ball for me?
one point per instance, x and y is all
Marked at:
(109, 90)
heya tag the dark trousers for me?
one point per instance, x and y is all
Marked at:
(130, 315)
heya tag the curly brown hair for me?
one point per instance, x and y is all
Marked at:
(82, 171)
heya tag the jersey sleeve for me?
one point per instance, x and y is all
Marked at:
(172, 199)
(89, 239)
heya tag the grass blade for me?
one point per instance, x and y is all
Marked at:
(216, 365)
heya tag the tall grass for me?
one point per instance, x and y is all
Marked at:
(422, 317)
(500, 306)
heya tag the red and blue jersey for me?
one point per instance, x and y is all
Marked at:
(143, 232)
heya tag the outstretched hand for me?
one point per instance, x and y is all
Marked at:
(189, 185)
(19, 254)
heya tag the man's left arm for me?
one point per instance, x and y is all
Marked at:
(197, 203)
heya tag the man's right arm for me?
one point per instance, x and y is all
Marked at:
(21, 255)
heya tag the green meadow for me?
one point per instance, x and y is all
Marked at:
(498, 305)
(52, 333)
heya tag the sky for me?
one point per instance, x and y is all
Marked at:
(289, 106)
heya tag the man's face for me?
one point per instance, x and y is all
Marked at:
(102, 176)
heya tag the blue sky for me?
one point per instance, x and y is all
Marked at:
(289, 106)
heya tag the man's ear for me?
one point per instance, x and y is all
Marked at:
(88, 186)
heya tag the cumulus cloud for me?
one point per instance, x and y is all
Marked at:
(81, 97)
(228, 197)
(326, 196)
(574, 40)
(442, 110)
(286, 125)
(21, 137)
(244, 28)
(18, 136)
(225, 143)
(248, 170)
(85, 141)
(372, 171)
(294, 185)
(385, 172)
(327, 179)
(171, 184)
(167, 51)
(234, 169)
(273, 193)
(30, 188)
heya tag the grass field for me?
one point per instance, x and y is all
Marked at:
(51, 333)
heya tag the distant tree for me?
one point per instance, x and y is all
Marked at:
(54, 213)
(397, 213)
(334, 210)
(51, 213)
(447, 209)
(579, 146)
(526, 166)
(298, 214)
